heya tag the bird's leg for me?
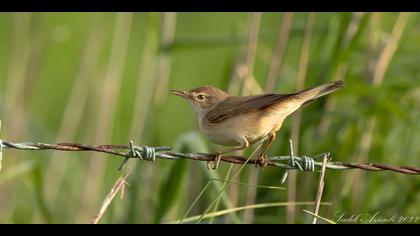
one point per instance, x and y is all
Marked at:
(218, 155)
(270, 139)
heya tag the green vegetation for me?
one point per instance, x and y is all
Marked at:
(99, 78)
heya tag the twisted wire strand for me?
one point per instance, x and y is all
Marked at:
(151, 153)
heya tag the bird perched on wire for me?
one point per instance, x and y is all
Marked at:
(239, 121)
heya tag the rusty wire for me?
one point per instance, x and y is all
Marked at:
(165, 153)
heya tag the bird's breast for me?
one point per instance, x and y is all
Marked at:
(229, 132)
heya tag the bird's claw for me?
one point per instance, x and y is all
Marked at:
(215, 163)
(262, 162)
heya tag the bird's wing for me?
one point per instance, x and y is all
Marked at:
(233, 106)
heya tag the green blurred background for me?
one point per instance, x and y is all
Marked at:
(100, 78)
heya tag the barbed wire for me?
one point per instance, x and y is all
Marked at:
(147, 153)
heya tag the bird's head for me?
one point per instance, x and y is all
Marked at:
(202, 98)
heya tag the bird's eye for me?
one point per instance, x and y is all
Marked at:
(200, 97)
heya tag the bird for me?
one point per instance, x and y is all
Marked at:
(239, 121)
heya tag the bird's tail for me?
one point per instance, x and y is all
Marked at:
(311, 94)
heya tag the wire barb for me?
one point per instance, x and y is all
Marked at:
(143, 153)
(308, 163)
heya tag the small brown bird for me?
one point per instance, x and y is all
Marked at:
(240, 121)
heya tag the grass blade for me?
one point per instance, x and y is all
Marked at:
(254, 206)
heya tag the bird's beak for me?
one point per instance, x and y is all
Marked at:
(179, 93)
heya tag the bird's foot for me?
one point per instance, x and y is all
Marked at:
(262, 162)
(215, 163)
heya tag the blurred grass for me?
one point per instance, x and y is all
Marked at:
(54, 69)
